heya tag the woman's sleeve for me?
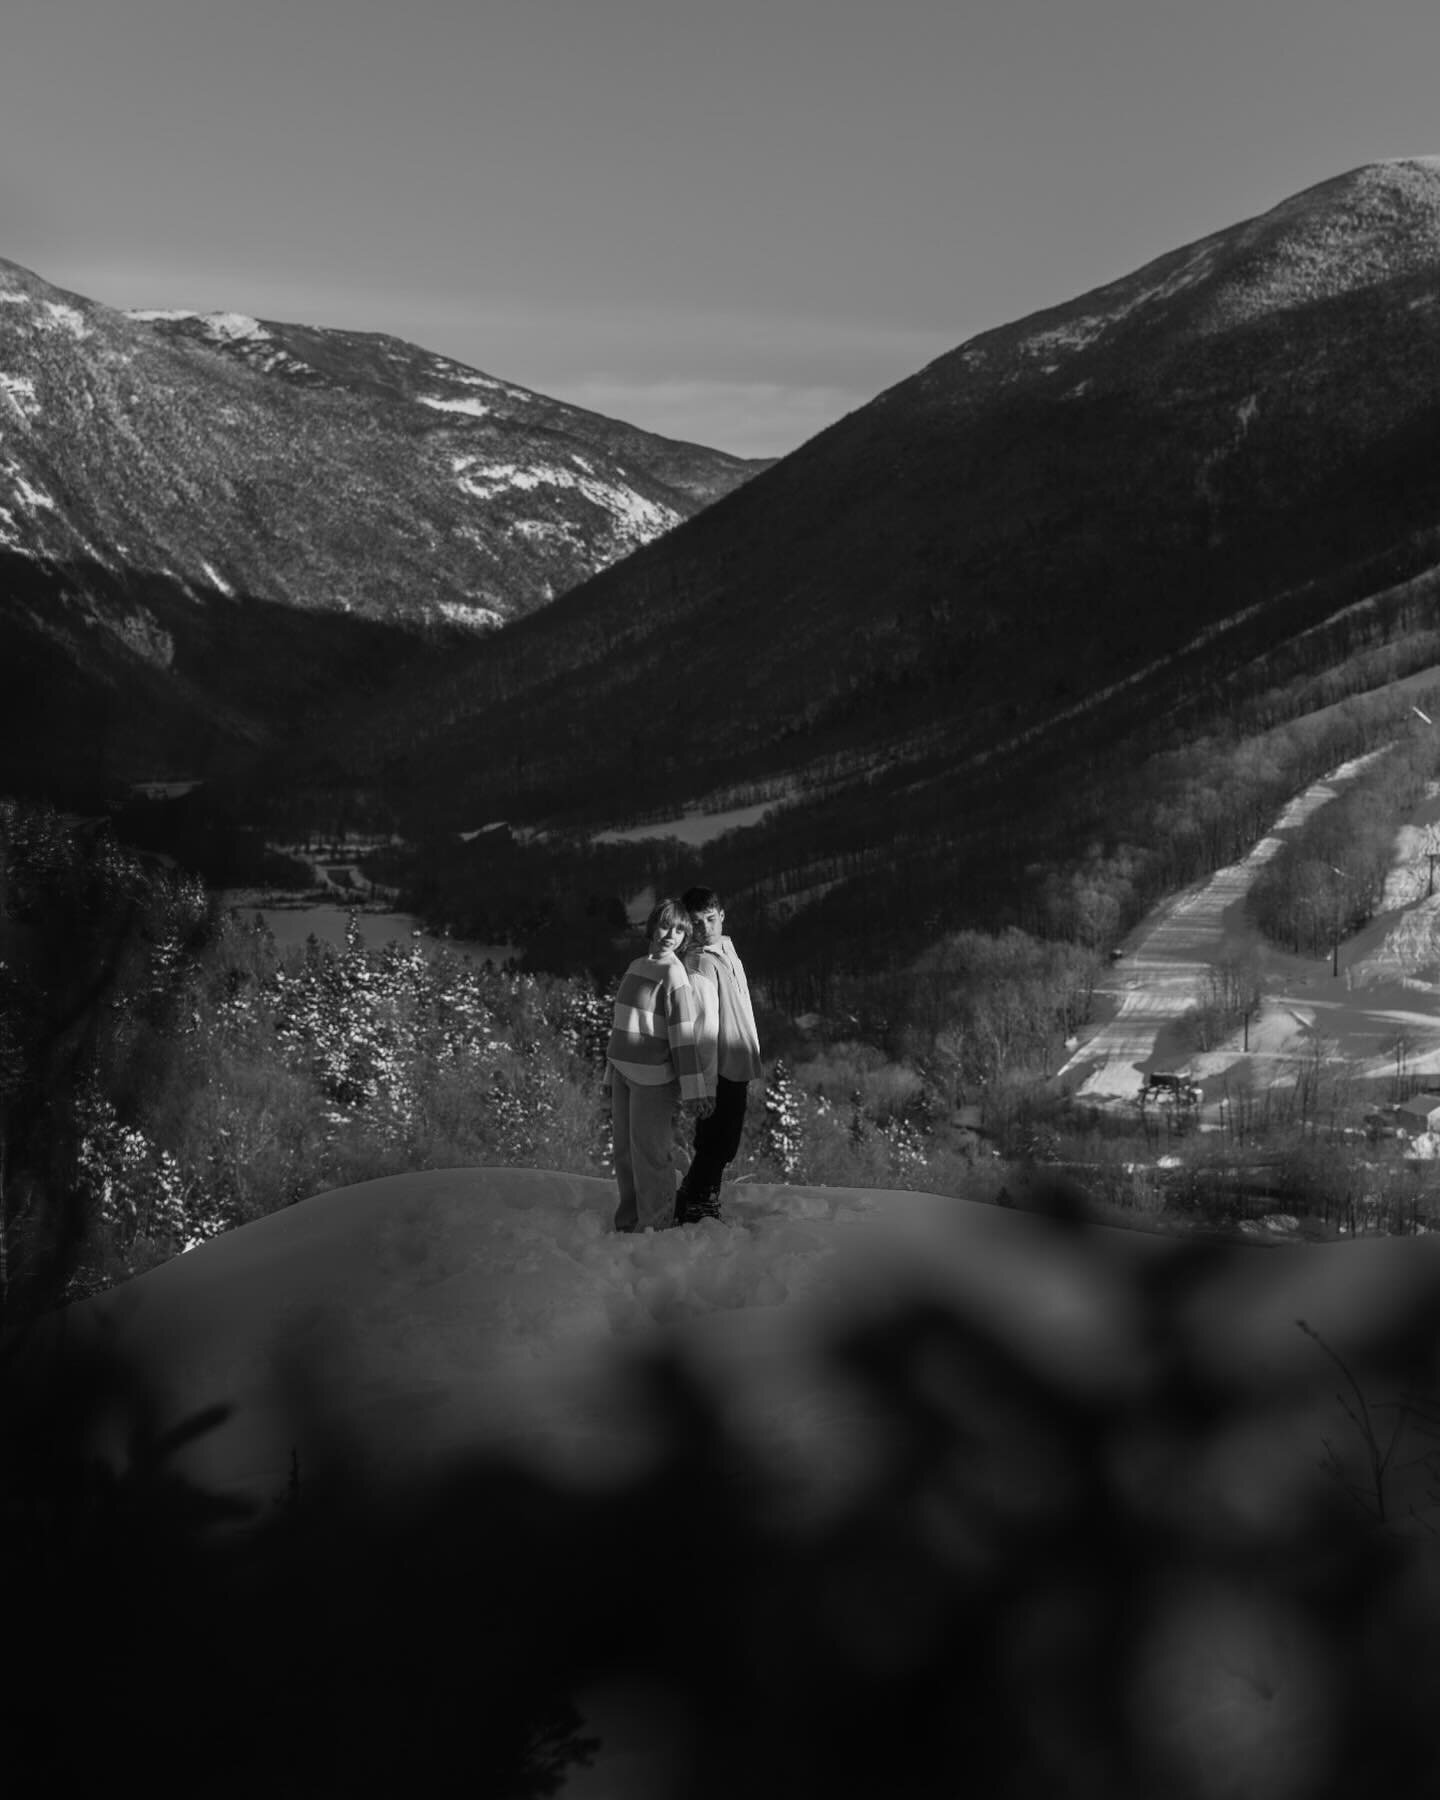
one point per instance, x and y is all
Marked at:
(682, 1017)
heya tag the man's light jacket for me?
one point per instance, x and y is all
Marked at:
(729, 1042)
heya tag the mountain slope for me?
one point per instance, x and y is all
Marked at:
(1071, 544)
(167, 483)
(388, 368)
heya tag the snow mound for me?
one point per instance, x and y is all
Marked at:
(392, 1327)
(418, 1315)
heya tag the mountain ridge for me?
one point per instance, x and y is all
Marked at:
(393, 368)
(201, 463)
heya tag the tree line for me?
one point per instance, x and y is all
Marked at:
(1328, 880)
(168, 1072)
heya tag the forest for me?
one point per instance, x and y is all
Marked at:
(825, 894)
(167, 1072)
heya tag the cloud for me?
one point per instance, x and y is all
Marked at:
(753, 384)
(747, 418)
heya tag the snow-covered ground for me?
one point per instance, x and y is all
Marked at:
(410, 1321)
(494, 1306)
(692, 827)
(293, 922)
(1387, 992)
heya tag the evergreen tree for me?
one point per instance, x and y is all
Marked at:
(906, 1145)
(782, 1133)
(859, 1124)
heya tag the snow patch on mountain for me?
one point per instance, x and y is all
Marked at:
(476, 408)
(144, 634)
(474, 617)
(225, 327)
(634, 515)
(55, 316)
(463, 377)
(477, 538)
(19, 390)
(34, 497)
(269, 362)
(546, 531)
(49, 315)
(216, 580)
(233, 327)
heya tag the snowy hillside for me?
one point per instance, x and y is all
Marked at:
(388, 368)
(209, 448)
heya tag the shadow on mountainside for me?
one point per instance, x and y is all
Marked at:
(109, 677)
(1027, 1586)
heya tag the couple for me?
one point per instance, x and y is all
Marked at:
(684, 1031)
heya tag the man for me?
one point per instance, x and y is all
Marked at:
(729, 1053)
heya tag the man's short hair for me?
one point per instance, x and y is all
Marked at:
(697, 899)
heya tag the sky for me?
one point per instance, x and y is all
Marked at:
(730, 223)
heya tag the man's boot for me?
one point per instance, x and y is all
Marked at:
(709, 1207)
(704, 1205)
(694, 1204)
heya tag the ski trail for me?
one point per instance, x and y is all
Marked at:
(1172, 952)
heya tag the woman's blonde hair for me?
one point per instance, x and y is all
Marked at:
(667, 912)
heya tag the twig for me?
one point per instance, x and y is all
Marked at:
(1361, 1417)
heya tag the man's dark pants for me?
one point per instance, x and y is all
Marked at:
(716, 1140)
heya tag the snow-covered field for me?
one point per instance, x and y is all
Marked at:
(1387, 989)
(293, 923)
(693, 827)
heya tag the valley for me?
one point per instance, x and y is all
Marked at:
(956, 491)
(996, 712)
(339, 890)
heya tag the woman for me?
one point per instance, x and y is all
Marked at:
(652, 1062)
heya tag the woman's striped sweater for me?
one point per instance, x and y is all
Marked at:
(655, 1037)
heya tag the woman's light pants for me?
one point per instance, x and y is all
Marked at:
(643, 1119)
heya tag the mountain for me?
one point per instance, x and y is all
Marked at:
(195, 511)
(949, 627)
(389, 369)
